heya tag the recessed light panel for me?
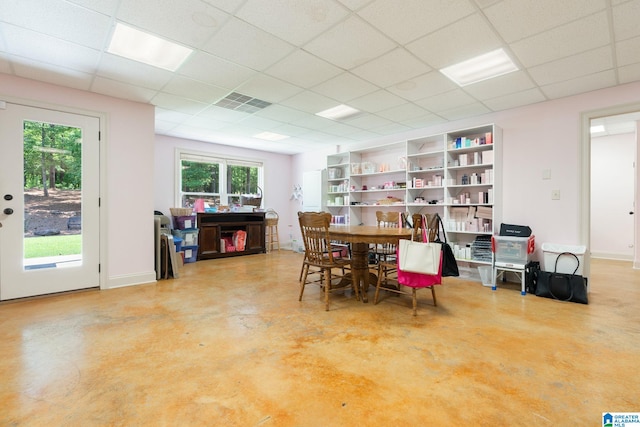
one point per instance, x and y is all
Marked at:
(270, 136)
(483, 67)
(147, 48)
(340, 112)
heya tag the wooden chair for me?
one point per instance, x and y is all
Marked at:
(319, 254)
(388, 270)
(385, 252)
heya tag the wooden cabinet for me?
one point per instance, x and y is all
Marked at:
(214, 227)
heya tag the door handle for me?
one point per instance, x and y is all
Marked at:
(8, 211)
(8, 197)
(631, 213)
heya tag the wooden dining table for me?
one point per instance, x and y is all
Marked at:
(360, 237)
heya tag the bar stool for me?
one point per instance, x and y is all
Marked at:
(271, 223)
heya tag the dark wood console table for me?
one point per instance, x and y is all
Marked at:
(214, 226)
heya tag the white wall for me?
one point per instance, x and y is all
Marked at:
(277, 179)
(128, 175)
(536, 137)
(612, 194)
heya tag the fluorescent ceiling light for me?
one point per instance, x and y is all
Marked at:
(597, 128)
(483, 67)
(339, 112)
(147, 48)
(270, 136)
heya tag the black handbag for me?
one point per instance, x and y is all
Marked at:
(449, 264)
(562, 286)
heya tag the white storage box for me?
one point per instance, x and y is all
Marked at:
(512, 251)
(566, 264)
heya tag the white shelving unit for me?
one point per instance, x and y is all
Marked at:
(456, 174)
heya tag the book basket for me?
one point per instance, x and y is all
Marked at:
(252, 200)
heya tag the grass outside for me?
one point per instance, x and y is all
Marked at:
(46, 246)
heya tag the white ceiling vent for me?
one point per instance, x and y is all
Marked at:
(239, 102)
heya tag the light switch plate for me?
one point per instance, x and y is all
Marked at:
(555, 194)
(546, 174)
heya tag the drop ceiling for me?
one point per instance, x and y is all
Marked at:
(304, 56)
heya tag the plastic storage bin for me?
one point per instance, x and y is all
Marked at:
(178, 242)
(190, 253)
(566, 264)
(486, 275)
(512, 251)
(184, 222)
(189, 235)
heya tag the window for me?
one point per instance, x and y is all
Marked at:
(218, 181)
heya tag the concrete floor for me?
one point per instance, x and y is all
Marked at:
(228, 344)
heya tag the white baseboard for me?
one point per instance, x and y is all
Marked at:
(130, 280)
(613, 256)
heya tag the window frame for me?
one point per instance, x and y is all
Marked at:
(224, 162)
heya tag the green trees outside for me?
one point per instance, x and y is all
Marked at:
(200, 177)
(52, 156)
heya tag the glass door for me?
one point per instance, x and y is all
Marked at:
(49, 201)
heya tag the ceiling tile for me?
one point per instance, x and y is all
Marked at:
(4, 64)
(190, 22)
(194, 89)
(509, 83)
(627, 51)
(392, 128)
(403, 112)
(578, 36)
(263, 123)
(309, 102)
(177, 103)
(218, 72)
(60, 19)
(435, 49)
(107, 7)
(247, 45)
(268, 88)
(471, 110)
(291, 130)
(625, 19)
(391, 68)
(281, 113)
(376, 101)
(354, 4)
(311, 121)
(345, 87)
(53, 74)
(423, 86)
(122, 90)
(513, 100)
(414, 18)
(170, 116)
(49, 49)
(224, 114)
(446, 101)
(341, 129)
(629, 73)
(359, 43)
(293, 21)
(229, 6)
(368, 122)
(517, 19)
(125, 70)
(303, 69)
(572, 67)
(581, 84)
(486, 3)
(423, 121)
